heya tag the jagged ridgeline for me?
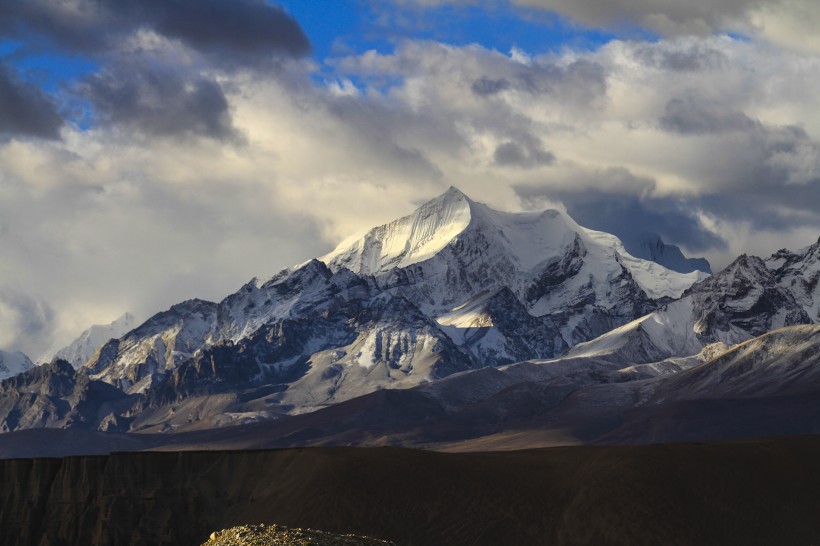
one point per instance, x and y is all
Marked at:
(453, 287)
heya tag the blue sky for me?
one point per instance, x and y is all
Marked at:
(339, 28)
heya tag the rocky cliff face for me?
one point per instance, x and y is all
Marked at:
(747, 299)
(799, 272)
(56, 395)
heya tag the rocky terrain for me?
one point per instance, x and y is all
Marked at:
(766, 386)
(455, 327)
(278, 535)
(452, 287)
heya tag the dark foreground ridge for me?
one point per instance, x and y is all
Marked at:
(754, 492)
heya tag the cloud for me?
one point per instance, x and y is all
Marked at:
(238, 28)
(484, 86)
(160, 101)
(631, 217)
(239, 31)
(526, 152)
(688, 56)
(692, 17)
(26, 322)
(25, 110)
(790, 24)
(751, 154)
(161, 64)
(688, 117)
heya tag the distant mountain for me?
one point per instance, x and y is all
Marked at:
(651, 247)
(55, 395)
(445, 326)
(767, 386)
(747, 299)
(453, 286)
(800, 272)
(12, 363)
(80, 351)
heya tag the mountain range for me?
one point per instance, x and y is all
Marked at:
(473, 321)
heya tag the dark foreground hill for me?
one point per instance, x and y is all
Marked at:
(754, 492)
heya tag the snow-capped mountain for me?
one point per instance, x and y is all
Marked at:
(652, 247)
(327, 336)
(453, 249)
(766, 386)
(13, 363)
(141, 357)
(800, 273)
(453, 286)
(80, 351)
(471, 315)
(747, 299)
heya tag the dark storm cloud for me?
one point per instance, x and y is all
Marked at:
(25, 110)
(692, 58)
(160, 101)
(249, 27)
(582, 81)
(779, 210)
(623, 212)
(236, 31)
(526, 152)
(141, 89)
(690, 117)
(487, 86)
(750, 155)
(631, 217)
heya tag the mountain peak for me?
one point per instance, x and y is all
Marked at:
(453, 193)
(408, 240)
(81, 349)
(13, 363)
(650, 246)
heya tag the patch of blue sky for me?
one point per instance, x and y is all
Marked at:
(7, 47)
(336, 28)
(53, 70)
(737, 37)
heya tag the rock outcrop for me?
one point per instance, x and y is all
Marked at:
(278, 535)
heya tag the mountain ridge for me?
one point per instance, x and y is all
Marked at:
(455, 291)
